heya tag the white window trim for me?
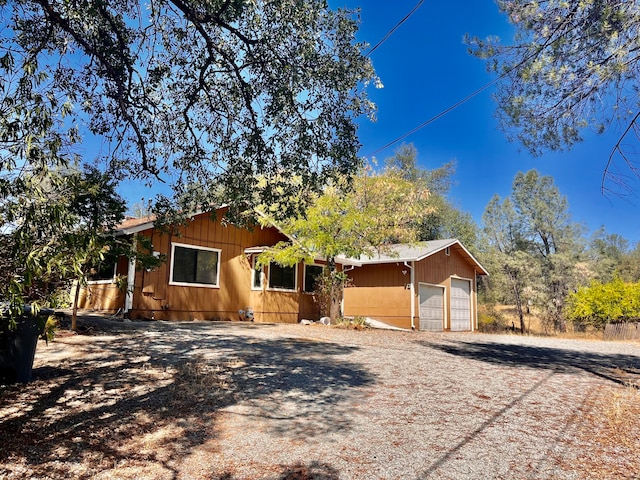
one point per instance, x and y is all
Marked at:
(295, 281)
(106, 280)
(253, 275)
(304, 276)
(447, 251)
(194, 247)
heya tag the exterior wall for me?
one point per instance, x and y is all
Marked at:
(284, 306)
(380, 292)
(103, 296)
(154, 297)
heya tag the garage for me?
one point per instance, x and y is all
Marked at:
(428, 286)
(431, 308)
(460, 305)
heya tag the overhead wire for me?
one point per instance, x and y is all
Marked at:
(390, 32)
(468, 97)
(441, 114)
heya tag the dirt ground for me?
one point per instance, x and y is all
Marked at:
(157, 400)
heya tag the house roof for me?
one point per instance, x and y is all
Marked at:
(414, 253)
(135, 225)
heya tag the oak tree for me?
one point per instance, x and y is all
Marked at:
(220, 93)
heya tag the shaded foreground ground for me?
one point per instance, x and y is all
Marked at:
(242, 401)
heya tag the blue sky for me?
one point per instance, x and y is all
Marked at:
(425, 68)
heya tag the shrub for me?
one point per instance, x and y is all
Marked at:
(601, 303)
(491, 321)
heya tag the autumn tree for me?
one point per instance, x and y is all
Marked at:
(600, 303)
(358, 219)
(573, 67)
(443, 219)
(221, 93)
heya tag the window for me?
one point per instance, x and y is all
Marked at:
(104, 272)
(256, 274)
(447, 251)
(283, 278)
(311, 274)
(194, 266)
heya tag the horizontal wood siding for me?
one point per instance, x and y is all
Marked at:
(380, 292)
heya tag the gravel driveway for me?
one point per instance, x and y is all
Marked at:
(243, 401)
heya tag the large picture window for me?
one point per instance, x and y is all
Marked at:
(282, 278)
(194, 266)
(311, 274)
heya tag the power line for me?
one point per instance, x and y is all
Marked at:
(390, 32)
(528, 57)
(441, 114)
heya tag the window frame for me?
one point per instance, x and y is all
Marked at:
(304, 278)
(280, 289)
(194, 247)
(255, 271)
(105, 281)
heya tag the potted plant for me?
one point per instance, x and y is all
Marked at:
(18, 340)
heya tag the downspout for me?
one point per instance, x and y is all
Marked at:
(475, 295)
(412, 289)
(345, 269)
(131, 275)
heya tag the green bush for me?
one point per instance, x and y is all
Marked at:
(491, 321)
(602, 303)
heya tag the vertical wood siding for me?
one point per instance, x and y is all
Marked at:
(155, 298)
(380, 291)
(103, 297)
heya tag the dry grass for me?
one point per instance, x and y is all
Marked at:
(611, 431)
(535, 325)
(198, 381)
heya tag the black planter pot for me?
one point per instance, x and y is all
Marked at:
(18, 349)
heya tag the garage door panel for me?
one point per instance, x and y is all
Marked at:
(460, 305)
(431, 308)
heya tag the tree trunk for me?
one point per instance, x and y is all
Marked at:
(74, 315)
(335, 296)
(516, 292)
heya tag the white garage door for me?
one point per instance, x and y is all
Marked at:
(460, 305)
(431, 308)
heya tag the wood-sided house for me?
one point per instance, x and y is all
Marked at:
(210, 274)
(427, 286)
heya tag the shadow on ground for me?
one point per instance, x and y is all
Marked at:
(617, 368)
(149, 396)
